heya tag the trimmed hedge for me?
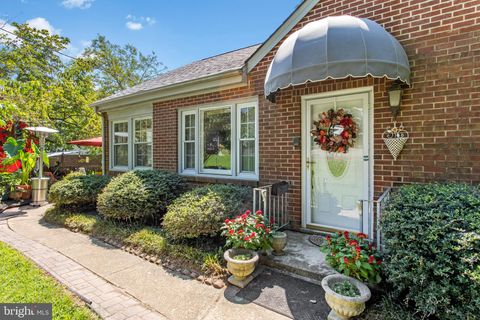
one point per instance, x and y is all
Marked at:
(140, 195)
(77, 190)
(432, 242)
(201, 211)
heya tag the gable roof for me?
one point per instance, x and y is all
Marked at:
(219, 64)
(301, 11)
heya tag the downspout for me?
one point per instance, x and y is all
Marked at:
(103, 139)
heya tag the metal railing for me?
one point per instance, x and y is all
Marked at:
(273, 206)
(380, 206)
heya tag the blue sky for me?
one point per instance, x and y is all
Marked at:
(178, 31)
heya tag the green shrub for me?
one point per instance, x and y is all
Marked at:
(201, 211)
(432, 242)
(79, 191)
(73, 175)
(139, 195)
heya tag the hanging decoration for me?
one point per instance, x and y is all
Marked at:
(337, 163)
(395, 138)
(336, 131)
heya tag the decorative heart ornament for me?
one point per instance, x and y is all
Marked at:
(395, 138)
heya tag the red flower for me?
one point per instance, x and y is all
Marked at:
(259, 213)
(346, 235)
(248, 212)
(345, 134)
(244, 216)
(379, 261)
(253, 234)
(358, 249)
(329, 239)
(267, 230)
(240, 231)
(227, 221)
(371, 259)
(345, 259)
(323, 139)
(259, 226)
(361, 235)
(246, 238)
(231, 231)
(353, 243)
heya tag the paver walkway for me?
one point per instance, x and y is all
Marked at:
(120, 285)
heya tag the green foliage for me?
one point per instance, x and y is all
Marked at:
(8, 181)
(387, 308)
(140, 195)
(201, 211)
(249, 230)
(78, 191)
(118, 68)
(17, 150)
(23, 282)
(147, 240)
(432, 242)
(346, 288)
(352, 255)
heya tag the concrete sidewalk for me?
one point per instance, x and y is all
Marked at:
(169, 296)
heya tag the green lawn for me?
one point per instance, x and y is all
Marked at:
(216, 161)
(21, 281)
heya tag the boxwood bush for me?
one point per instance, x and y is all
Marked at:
(432, 242)
(140, 195)
(201, 211)
(77, 190)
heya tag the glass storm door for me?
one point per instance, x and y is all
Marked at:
(337, 184)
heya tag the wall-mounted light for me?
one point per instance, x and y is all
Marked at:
(395, 98)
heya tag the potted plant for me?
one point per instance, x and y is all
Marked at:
(346, 296)
(353, 255)
(23, 153)
(279, 241)
(245, 234)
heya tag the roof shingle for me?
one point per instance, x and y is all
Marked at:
(229, 61)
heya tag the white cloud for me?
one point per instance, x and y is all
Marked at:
(134, 25)
(81, 4)
(85, 43)
(42, 24)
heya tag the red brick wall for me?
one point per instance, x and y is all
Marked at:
(441, 110)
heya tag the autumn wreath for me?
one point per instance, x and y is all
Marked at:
(335, 131)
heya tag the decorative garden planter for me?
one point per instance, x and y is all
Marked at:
(241, 270)
(26, 191)
(344, 307)
(279, 241)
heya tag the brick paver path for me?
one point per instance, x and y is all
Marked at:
(109, 301)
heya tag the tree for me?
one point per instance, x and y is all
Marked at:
(118, 68)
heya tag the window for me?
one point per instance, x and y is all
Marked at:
(247, 139)
(120, 144)
(188, 141)
(131, 143)
(219, 140)
(216, 140)
(143, 142)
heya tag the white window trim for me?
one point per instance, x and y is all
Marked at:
(131, 131)
(113, 144)
(183, 141)
(234, 173)
(135, 143)
(246, 174)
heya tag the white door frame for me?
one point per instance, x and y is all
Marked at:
(367, 218)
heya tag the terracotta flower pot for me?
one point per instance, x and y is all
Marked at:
(15, 195)
(279, 242)
(344, 307)
(26, 191)
(241, 270)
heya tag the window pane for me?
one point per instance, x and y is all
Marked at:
(247, 123)
(120, 155)
(143, 130)
(216, 139)
(120, 132)
(143, 155)
(247, 156)
(189, 155)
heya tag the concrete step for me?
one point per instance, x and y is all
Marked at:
(301, 257)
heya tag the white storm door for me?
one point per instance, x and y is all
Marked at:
(337, 184)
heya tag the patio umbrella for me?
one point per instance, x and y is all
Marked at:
(92, 142)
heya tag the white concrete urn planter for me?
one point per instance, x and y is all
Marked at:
(344, 307)
(241, 270)
(279, 241)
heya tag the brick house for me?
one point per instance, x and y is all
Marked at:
(212, 122)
